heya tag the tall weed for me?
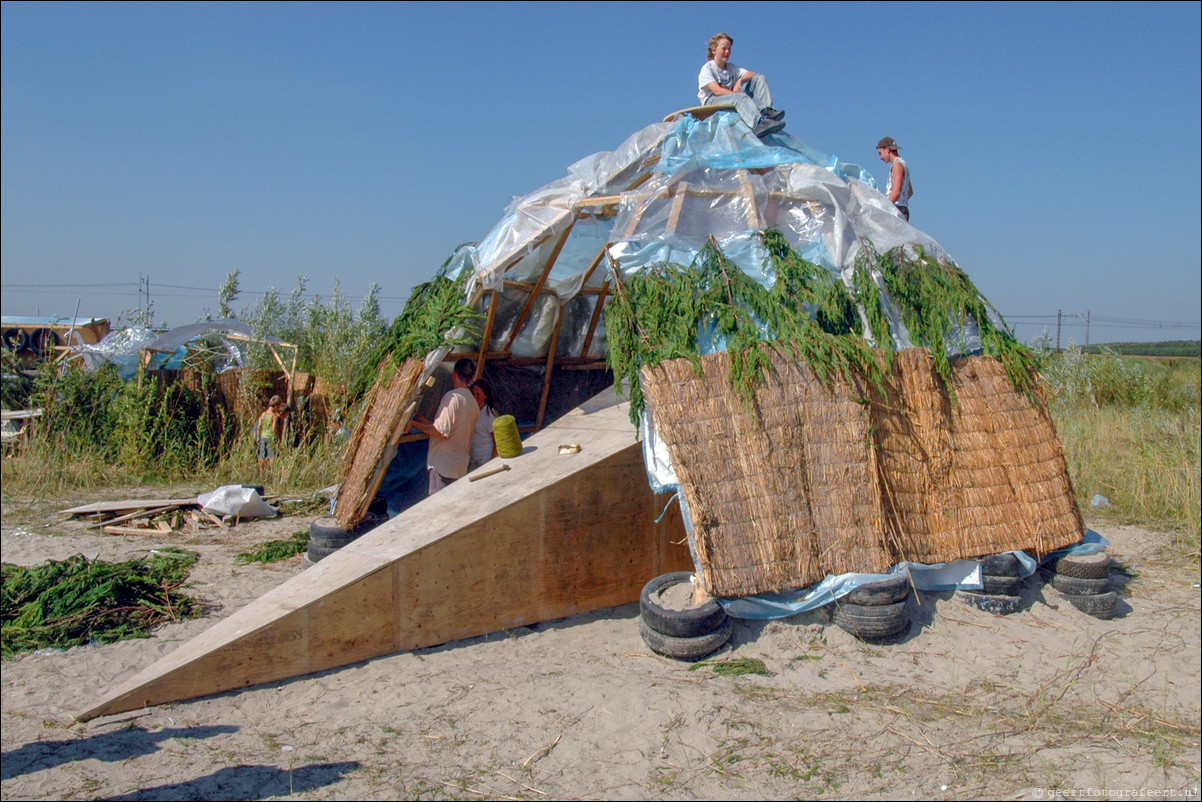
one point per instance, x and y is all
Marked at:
(1131, 432)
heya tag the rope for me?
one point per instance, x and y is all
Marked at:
(505, 431)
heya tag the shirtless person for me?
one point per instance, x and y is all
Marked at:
(723, 83)
(899, 189)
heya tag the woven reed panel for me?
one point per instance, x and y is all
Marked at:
(779, 498)
(818, 482)
(389, 396)
(978, 474)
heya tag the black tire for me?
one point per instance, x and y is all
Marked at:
(999, 605)
(326, 531)
(1101, 605)
(42, 342)
(685, 648)
(16, 340)
(691, 622)
(1089, 566)
(872, 621)
(1000, 564)
(1002, 585)
(1077, 586)
(319, 553)
(884, 591)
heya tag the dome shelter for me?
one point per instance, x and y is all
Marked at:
(820, 386)
(540, 280)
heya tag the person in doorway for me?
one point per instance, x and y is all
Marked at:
(269, 431)
(484, 444)
(451, 430)
(721, 82)
(899, 189)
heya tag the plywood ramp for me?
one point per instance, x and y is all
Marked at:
(553, 536)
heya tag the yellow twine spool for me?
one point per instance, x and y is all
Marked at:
(505, 432)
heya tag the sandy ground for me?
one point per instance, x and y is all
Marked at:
(1046, 702)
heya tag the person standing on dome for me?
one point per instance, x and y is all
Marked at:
(899, 188)
(724, 83)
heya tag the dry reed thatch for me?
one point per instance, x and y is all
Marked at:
(834, 478)
(387, 407)
(778, 498)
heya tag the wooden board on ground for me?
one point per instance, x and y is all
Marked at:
(129, 506)
(555, 535)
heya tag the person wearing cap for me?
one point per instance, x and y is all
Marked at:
(899, 188)
(724, 83)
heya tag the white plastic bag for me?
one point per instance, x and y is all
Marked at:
(236, 500)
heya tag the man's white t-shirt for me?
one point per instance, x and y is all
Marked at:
(712, 73)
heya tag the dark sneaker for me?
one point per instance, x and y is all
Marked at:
(767, 126)
(773, 114)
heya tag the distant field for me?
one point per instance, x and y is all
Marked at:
(1166, 348)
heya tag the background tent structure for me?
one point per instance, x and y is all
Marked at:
(562, 533)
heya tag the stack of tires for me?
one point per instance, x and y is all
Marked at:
(1084, 581)
(326, 535)
(673, 625)
(1002, 585)
(875, 611)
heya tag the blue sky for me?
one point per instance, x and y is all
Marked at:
(1053, 146)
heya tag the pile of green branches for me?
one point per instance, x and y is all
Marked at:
(276, 550)
(675, 311)
(434, 310)
(64, 603)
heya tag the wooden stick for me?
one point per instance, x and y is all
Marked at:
(477, 476)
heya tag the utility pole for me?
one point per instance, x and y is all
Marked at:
(1059, 313)
(1086, 328)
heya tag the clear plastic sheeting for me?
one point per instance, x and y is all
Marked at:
(658, 198)
(118, 348)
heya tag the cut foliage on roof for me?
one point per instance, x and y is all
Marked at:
(683, 312)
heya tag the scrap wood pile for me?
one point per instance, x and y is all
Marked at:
(801, 452)
(150, 516)
(64, 603)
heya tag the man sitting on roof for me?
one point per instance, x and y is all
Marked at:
(723, 83)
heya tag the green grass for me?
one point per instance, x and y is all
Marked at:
(276, 550)
(1130, 427)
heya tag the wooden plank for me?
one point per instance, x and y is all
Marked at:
(682, 190)
(133, 516)
(130, 505)
(130, 530)
(538, 286)
(748, 192)
(553, 536)
(549, 371)
(698, 112)
(486, 336)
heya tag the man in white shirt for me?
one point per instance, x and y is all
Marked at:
(451, 430)
(723, 83)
